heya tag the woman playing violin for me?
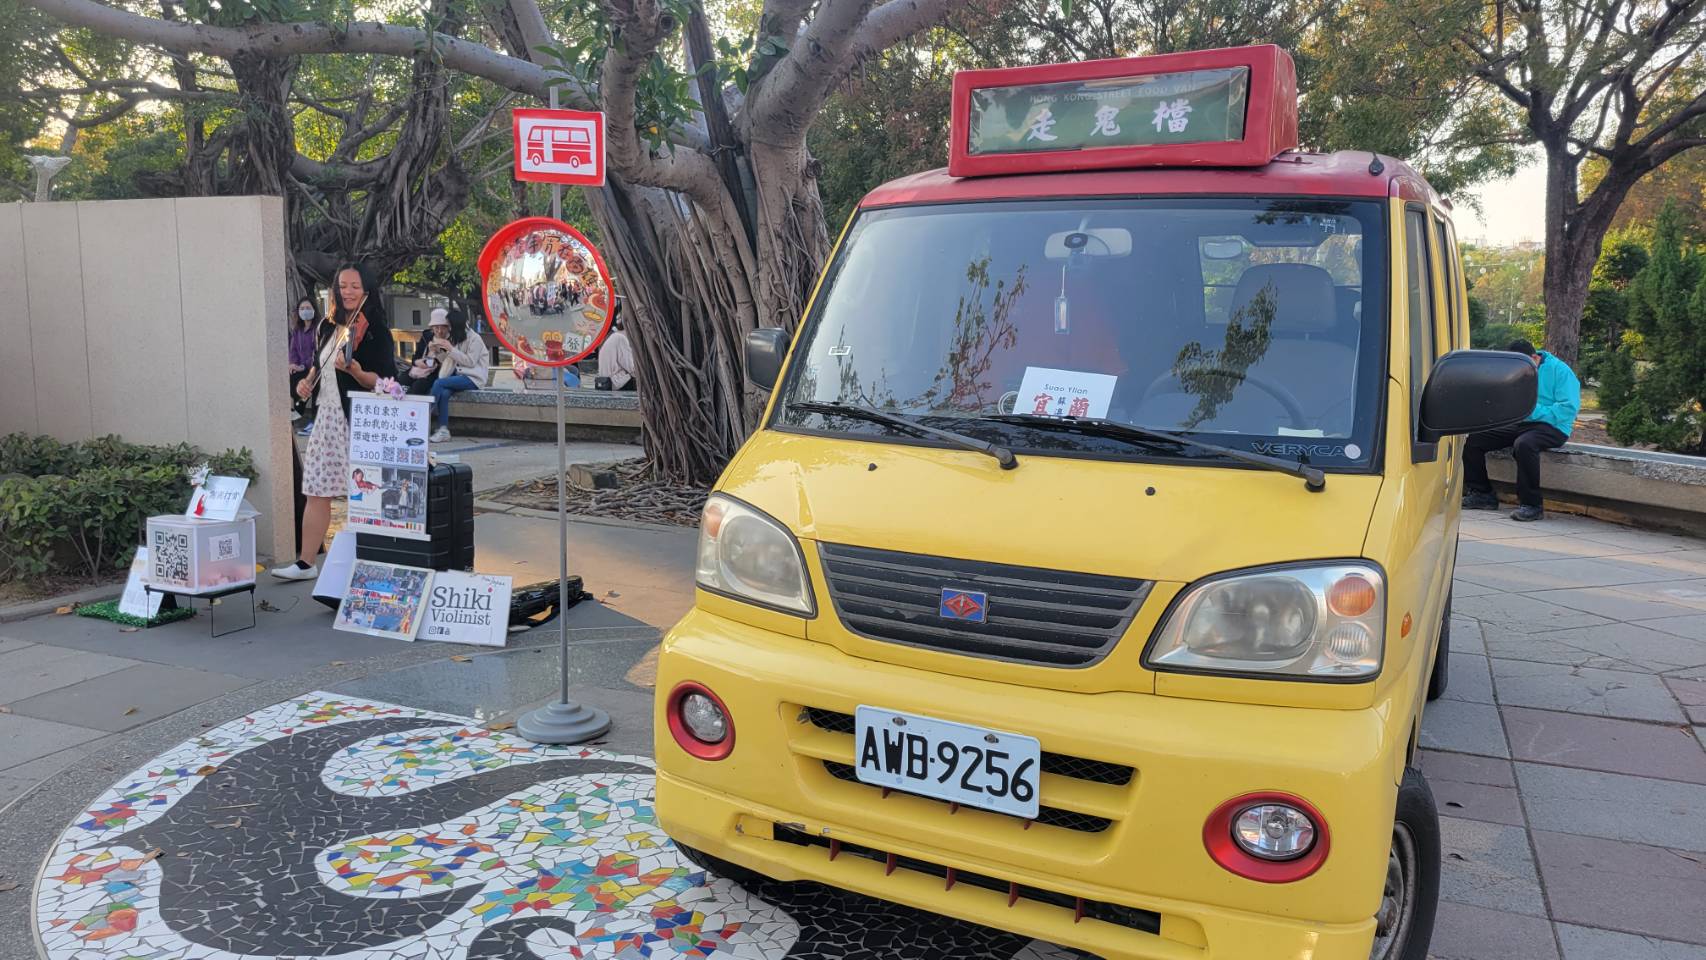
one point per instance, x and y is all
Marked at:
(353, 351)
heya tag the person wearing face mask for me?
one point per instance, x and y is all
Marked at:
(302, 331)
(353, 350)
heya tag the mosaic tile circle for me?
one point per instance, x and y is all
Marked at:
(332, 826)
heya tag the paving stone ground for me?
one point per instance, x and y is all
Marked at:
(1567, 754)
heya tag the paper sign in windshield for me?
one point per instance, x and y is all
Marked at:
(1065, 393)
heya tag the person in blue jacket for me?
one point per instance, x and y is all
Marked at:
(1557, 401)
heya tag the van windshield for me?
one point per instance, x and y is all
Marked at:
(1252, 323)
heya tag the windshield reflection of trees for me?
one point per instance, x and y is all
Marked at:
(980, 331)
(983, 329)
(1213, 376)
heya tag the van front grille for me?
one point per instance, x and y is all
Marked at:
(1046, 816)
(1048, 618)
(1132, 918)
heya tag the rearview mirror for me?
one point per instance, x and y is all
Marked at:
(1474, 390)
(1095, 242)
(766, 348)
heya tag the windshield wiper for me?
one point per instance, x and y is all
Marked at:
(1313, 478)
(1001, 454)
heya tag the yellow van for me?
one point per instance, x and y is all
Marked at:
(1091, 567)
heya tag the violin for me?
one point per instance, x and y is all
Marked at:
(347, 338)
(357, 329)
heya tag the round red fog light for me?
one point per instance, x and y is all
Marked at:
(700, 722)
(1268, 837)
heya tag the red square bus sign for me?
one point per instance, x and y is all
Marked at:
(1234, 107)
(560, 146)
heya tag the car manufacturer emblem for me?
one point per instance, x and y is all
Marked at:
(966, 605)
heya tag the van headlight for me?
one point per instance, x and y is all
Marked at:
(1320, 621)
(749, 556)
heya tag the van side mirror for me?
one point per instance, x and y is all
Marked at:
(1474, 390)
(766, 348)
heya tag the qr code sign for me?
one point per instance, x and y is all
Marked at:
(223, 548)
(169, 555)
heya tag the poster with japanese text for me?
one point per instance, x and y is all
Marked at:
(217, 498)
(388, 464)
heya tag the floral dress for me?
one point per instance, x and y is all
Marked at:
(325, 458)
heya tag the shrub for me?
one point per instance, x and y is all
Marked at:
(1616, 380)
(1497, 336)
(79, 508)
(1668, 308)
(33, 455)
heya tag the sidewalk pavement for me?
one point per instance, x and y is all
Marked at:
(1568, 757)
(70, 686)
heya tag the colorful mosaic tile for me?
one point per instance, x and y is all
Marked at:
(331, 826)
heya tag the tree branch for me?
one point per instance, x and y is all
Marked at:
(1693, 109)
(896, 20)
(531, 23)
(138, 90)
(783, 17)
(288, 39)
(642, 27)
(321, 106)
(340, 175)
(781, 104)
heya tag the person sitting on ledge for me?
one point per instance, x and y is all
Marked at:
(1557, 401)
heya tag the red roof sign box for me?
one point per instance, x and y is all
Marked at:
(1235, 107)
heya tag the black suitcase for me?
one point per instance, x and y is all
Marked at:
(450, 524)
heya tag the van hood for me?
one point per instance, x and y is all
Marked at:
(1148, 521)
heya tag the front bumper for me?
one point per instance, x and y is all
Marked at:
(1123, 874)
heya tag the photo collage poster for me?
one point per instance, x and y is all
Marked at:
(388, 464)
(384, 600)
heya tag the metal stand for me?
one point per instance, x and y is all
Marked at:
(212, 607)
(564, 721)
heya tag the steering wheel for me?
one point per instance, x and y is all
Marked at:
(1168, 383)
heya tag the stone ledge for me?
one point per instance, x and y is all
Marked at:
(585, 399)
(1665, 490)
(600, 415)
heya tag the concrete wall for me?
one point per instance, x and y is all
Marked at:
(162, 321)
(1638, 487)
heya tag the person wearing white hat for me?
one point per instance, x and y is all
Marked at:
(424, 368)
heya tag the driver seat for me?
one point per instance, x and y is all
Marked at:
(1302, 357)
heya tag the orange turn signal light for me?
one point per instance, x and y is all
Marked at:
(712, 520)
(1351, 596)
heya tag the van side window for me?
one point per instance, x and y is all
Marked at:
(1453, 281)
(1418, 280)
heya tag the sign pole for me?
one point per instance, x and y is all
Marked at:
(564, 721)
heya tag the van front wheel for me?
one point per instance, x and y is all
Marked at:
(1405, 924)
